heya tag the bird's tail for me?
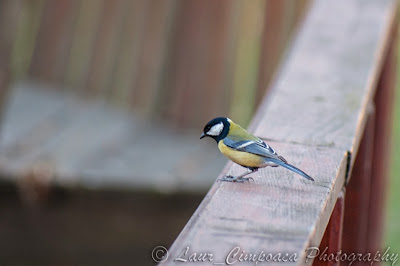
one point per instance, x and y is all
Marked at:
(290, 167)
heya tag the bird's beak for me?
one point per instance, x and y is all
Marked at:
(202, 135)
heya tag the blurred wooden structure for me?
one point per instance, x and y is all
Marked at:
(163, 58)
(180, 62)
(87, 144)
(90, 82)
(329, 114)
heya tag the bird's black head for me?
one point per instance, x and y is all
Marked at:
(217, 128)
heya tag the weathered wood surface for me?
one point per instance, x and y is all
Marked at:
(278, 212)
(330, 76)
(315, 118)
(85, 143)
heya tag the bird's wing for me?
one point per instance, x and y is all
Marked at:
(257, 147)
(260, 148)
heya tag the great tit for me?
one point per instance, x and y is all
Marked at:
(244, 149)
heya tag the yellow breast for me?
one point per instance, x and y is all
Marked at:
(240, 157)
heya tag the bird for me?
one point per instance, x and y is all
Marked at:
(244, 149)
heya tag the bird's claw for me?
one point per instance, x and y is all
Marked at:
(230, 178)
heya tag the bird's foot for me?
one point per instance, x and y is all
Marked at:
(227, 178)
(230, 178)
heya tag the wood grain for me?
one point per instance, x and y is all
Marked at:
(330, 76)
(278, 212)
(315, 118)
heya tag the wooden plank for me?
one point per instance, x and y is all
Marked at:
(189, 56)
(205, 49)
(278, 212)
(247, 60)
(20, 117)
(87, 144)
(53, 41)
(207, 34)
(230, 61)
(9, 18)
(66, 31)
(130, 47)
(83, 41)
(208, 40)
(222, 33)
(281, 22)
(105, 49)
(65, 132)
(272, 42)
(26, 32)
(202, 46)
(129, 160)
(320, 75)
(152, 57)
(315, 119)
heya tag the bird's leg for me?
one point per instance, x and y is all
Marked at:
(240, 178)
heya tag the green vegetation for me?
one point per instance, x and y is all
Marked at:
(392, 234)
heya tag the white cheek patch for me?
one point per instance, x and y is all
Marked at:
(215, 130)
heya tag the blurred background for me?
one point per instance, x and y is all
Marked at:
(102, 106)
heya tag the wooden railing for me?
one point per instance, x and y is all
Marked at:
(329, 114)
